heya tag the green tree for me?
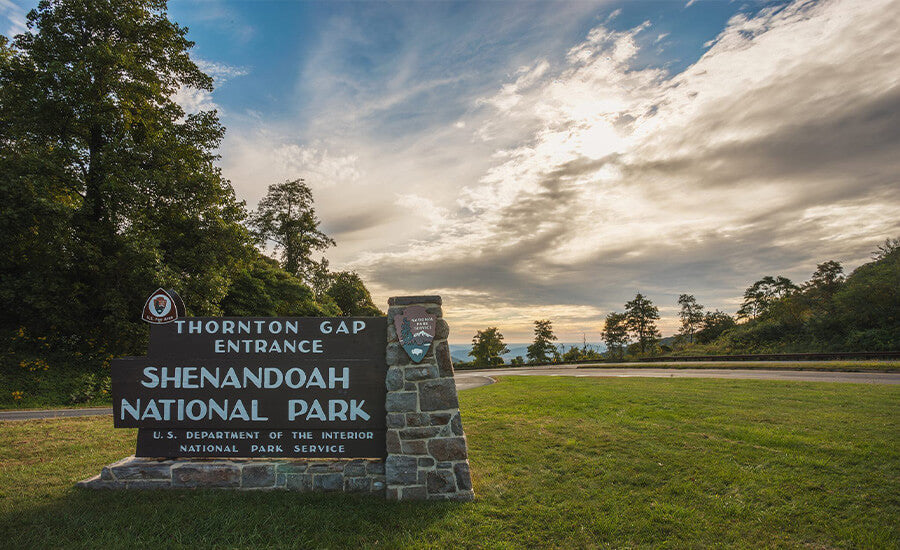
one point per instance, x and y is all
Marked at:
(109, 188)
(691, 315)
(351, 295)
(286, 218)
(763, 294)
(868, 304)
(640, 318)
(264, 289)
(487, 347)
(542, 350)
(615, 334)
(714, 324)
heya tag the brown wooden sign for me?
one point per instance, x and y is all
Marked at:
(257, 387)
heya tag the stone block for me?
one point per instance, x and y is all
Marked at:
(441, 481)
(426, 462)
(417, 419)
(410, 386)
(140, 469)
(392, 439)
(198, 474)
(401, 401)
(410, 300)
(257, 475)
(298, 482)
(355, 468)
(394, 379)
(292, 467)
(375, 467)
(357, 484)
(326, 466)
(419, 433)
(456, 424)
(463, 476)
(449, 448)
(106, 474)
(416, 447)
(396, 420)
(396, 355)
(441, 330)
(439, 419)
(420, 372)
(400, 470)
(414, 492)
(377, 485)
(392, 493)
(444, 361)
(438, 394)
(328, 482)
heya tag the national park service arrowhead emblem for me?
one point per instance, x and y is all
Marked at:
(415, 329)
(163, 306)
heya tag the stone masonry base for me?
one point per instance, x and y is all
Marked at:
(312, 475)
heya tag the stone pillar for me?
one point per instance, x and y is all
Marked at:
(427, 457)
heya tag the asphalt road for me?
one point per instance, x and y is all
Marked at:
(475, 378)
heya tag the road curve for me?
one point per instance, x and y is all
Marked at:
(476, 378)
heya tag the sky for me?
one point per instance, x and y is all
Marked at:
(532, 160)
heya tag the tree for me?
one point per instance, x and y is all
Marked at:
(827, 278)
(714, 324)
(286, 217)
(691, 315)
(868, 305)
(542, 349)
(887, 248)
(112, 188)
(487, 347)
(351, 295)
(640, 318)
(263, 288)
(615, 334)
(763, 294)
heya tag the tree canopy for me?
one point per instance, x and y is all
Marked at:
(542, 350)
(109, 187)
(286, 217)
(487, 347)
(640, 318)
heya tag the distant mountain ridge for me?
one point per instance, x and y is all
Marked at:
(460, 352)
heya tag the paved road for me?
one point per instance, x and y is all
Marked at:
(475, 378)
(53, 413)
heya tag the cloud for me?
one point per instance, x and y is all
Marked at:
(775, 150)
(15, 17)
(193, 100)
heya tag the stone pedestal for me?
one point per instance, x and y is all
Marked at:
(427, 452)
(352, 476)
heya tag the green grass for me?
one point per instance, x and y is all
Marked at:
(557, 463)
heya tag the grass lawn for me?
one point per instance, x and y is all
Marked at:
(557, 463)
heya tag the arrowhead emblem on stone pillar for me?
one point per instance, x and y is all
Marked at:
(415, 330)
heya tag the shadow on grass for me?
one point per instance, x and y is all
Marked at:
(222, 518)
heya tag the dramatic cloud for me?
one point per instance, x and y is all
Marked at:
(579, 175)
(776, 149)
